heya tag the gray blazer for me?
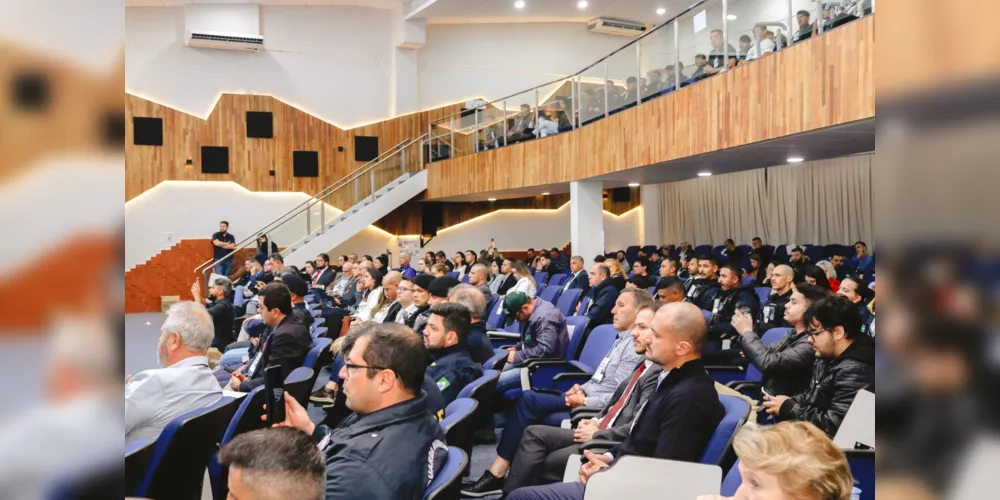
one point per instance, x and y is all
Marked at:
(643, 389)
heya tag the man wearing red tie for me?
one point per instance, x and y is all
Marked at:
(542, 454)
(323, 275)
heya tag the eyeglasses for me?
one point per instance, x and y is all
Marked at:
(817, 333)
(350, 366)
(401, 289)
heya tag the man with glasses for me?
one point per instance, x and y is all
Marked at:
(391, 446)
(404, 297)
(845, 364)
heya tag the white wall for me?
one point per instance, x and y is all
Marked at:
(176, 210)
(334, 62)
(461, 61)
(518, 230)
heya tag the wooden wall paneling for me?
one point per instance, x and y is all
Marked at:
(819, 83)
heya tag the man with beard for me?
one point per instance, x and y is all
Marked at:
(220, 308)
(773, 313)
(446, 338)
(182, 383)
(705, 285)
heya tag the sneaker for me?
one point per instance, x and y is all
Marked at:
(323, 397)
(485, 486)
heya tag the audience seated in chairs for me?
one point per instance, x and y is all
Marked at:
(856, 290)
(704, 288)
(845, 364)
(280, 463)
(324, 275)
(603, 295)
(535, 406)
(478, 342)
(525, 280)
(182, 383)
(772, 313)
(383, 373)
(421, 299)
(286, 346)
(437, 293)
(670, 289)
(786, 364)
(543, 335)
(446, 339)
(789, 460)
(477, 278)
(404, 297)
(220, 308)
(732, 297)
(578, 277)
(670, 267)
(677, 420)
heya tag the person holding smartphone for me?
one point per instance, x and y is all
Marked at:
(732, 297)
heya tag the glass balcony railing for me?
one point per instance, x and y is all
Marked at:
(707, 39)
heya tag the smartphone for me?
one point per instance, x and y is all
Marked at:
(274, 388)
(745, 310)
(766, 394)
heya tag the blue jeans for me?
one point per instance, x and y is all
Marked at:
(223, 267)
(531, 409)
(233, 359)
(510, 378)
(558, 491)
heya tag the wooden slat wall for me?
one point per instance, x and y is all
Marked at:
(251, 159)
(819, 83)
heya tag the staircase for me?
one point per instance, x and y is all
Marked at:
(372, 192)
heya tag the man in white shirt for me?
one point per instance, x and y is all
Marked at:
(765, 45)
(155, 397)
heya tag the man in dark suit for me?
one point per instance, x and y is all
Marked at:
(510, 281)
(604, 295)
(542, 454)
(677, 420)
(579, 278)
(287, 345)
(324, 275)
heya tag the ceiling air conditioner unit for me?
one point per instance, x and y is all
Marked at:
(226, 41)
(616, 27)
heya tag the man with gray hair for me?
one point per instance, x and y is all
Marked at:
(182, 383)
(478, 342)
(274, 464)
(220, 307)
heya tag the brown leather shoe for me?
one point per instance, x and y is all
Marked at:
(323, 397)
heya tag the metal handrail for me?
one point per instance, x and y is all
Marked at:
(317, 198)
(602, 59)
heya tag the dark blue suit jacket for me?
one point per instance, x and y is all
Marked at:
(581, 281)
(604, 297)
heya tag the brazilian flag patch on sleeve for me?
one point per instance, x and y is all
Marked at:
(443, 384)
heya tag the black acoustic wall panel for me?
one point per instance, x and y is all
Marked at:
(430, 218)
(260, 124)
(214, 160)
(147, 131)
(365, 148)
(305, 163)
(621, 195)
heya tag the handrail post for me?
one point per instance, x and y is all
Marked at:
(638, 74)
(605, 85)
(371, 181)
(402, 161)
(421, 145)
(725, 35)
(451, 137)
(309, 219)
(537, 134)
(677, 55)
(322, 217)
(505, 122)
(475, 137)
(790, 25)
(575, 109)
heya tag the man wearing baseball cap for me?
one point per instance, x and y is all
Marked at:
(543, 335)
(421, 299)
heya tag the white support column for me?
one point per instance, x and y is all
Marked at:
(652, 223)
(586, 218)
(410, 35)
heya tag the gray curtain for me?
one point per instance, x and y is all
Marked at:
(820, 202)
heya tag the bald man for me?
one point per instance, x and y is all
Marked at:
(772, 314)
(677, 420)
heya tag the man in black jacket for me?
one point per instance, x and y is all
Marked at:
(446, 338)
(772, 314)
(704, 287)
(845, 364)
(787, 363)
(579, 278)
(478, 342)
(324, 275)
(507, 270)
(421, 299)
(542, 453)
(286, 346)
(604, 295)
(391, 446)
(732, 297)
(677, 420)
(220, 307)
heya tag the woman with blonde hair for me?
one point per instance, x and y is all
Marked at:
(789, 461)
(525, 281)
(618, 277)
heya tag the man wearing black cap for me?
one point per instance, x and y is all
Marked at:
(446, 337)
(421, 299)
(298, 289)
(438, 290)
(543, 335)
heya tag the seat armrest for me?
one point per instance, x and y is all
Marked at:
(584, 409)
(565, 381)
(542, 372)
(496, 334)
(576, 418)
(726, 374)
(599, 445)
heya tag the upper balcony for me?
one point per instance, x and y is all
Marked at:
(626, 110)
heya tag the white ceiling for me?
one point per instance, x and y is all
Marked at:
(378, 4)
(539, 11)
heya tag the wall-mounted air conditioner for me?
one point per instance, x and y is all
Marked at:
(225, 41)
(616, 27)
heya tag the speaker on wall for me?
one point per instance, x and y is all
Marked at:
(430, 218)
(365, 148)
(214, 160)
(147, 131)
(305, 163)
(260, 124)
(621, 195)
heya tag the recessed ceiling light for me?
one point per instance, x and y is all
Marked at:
(519, 4)
(546, 193)
(661, 11)
(795, 159)
(582, 4)
(633, 184)
(704, 174)
(731, 17)
(491, 199)
(149, 323)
